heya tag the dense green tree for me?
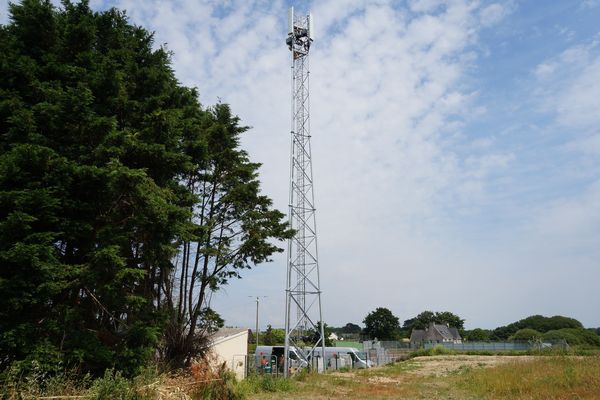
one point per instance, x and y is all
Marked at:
(350, 331)
(211, 321)
(90, 203)
(423, 320)
(381, 324)
(503, 332)
(526, 334)
(111, 177)
(267, 336)
(539, 323)
(233, 229)
(314, 334)
(351, 328)
(273, 337)
(477, 335)
(573, 336)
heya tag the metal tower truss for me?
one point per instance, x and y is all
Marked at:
(303, 293)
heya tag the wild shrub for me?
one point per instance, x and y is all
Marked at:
(113, 386)
(211, 379)
(574, 337)
(439, 350)
(33, 379)
(526, 334)
(255, 384)
(420, 353)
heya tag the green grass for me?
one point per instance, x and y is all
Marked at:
(537, 378)
(257, 384)
(348, 343)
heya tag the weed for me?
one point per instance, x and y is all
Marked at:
(439, 350)
(113, 386)
(263, 383)
(34, 381)
(302, 375)
(463, 369)
(391, 369)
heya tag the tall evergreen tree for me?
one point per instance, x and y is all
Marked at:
(102, 153)
(233, 224)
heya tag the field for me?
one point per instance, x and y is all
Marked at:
(454, 377)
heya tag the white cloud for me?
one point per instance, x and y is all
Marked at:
(589, 145)
(4, 12)
(494, 13)
(590, 4)
(425, 5)
(544, 70)
(572, 221)
(387, 101)
(399, 181)
(579, 104)
(569, 87)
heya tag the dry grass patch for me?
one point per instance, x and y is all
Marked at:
(540, 378)
(446, 365)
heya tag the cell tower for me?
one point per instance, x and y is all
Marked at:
(303, 293)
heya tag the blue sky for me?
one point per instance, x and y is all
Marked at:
(456, 148)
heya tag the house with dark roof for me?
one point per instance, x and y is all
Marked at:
(435, 333)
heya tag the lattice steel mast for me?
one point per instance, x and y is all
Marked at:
(303, 293)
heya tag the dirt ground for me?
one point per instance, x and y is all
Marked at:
(438, 366)
(444, 365)
(415, 378)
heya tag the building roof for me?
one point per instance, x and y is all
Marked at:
(417, 335)
(443, 330)
(454, 332)
(224, 334)
(430, 333)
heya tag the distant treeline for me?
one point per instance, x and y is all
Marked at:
(539, 327)
(535, 327)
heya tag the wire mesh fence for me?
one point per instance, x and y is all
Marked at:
(482, 346)
(517, 345)
(377, 353)
(385, 352)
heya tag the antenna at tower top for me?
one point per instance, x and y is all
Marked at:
(290, 20)
(300, 33)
